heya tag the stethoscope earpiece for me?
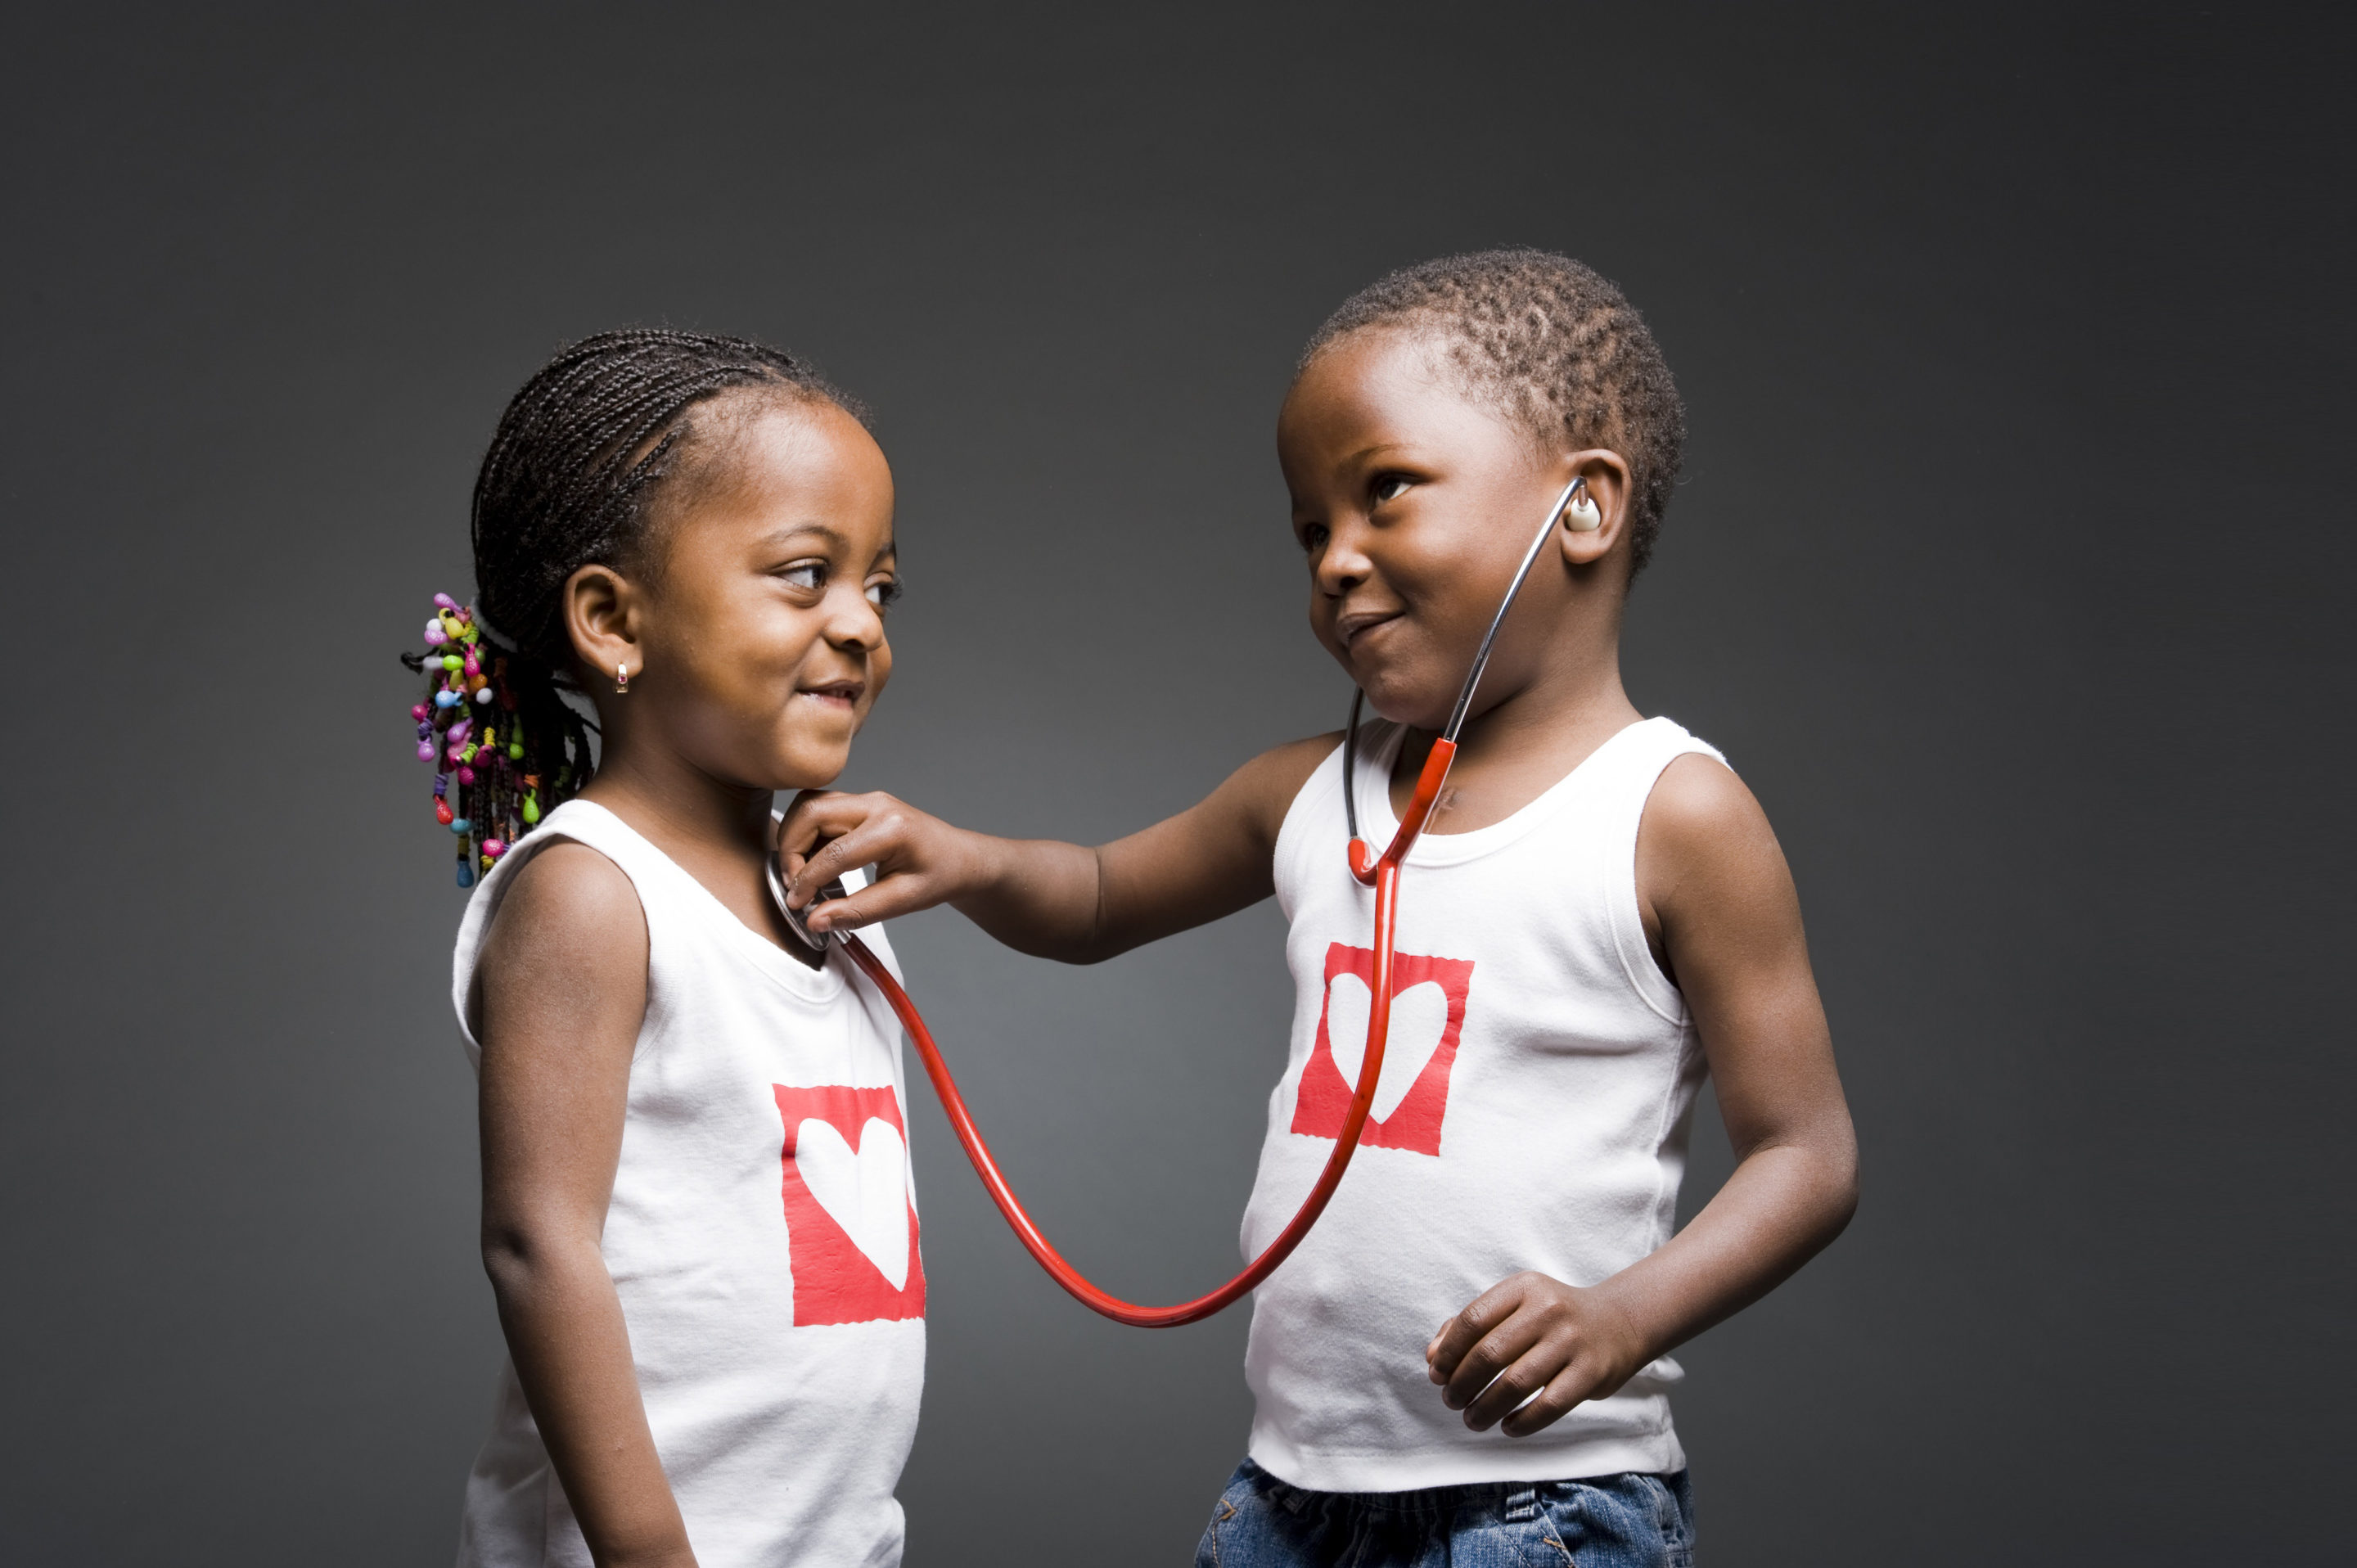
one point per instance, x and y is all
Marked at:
(1582, 516)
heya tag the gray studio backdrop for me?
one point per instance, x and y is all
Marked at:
(2006, 571)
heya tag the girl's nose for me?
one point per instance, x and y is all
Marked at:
(854, 622)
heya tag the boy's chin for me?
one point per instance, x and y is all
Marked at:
(1411, 705)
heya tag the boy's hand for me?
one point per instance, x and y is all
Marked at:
(920, 860)
(1526, 1334)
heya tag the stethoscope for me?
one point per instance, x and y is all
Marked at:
(1379, 872)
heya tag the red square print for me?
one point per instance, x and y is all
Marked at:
(851, 1232)
(1412, 1097)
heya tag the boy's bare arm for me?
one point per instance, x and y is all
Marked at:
(1719, 899)
(559, 996)
(1042, 896)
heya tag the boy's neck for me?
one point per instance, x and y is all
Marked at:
(1515, 747)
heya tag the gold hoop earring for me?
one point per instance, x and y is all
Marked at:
(621, 680)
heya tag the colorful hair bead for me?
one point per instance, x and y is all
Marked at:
(482, 791)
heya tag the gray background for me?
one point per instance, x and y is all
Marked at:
(2009, 572)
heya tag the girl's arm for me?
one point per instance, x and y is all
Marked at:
(1042, 896)
(1719, 899)
(559, 995)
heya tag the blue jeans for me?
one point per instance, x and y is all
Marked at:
(1606, 1521)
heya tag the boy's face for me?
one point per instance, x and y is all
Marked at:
(1414, 504)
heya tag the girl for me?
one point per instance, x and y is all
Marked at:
(696, 1209)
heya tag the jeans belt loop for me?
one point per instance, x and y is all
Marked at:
(1521, 1504)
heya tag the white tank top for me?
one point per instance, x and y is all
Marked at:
(762, 1236)
(1532, 1114)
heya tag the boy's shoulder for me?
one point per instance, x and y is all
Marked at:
(1704, 836)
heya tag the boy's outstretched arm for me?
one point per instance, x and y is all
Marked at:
(1720, 906)
(1040, 895)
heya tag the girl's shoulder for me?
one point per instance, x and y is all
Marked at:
(565, 920)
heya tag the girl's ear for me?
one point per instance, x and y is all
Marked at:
(603, 611)
(1606, 476)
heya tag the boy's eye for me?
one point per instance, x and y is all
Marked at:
(1388, 487)
(806, 574)
(1313, 537)
(882, 592)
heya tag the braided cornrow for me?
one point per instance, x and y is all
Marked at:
(1553, 345)
(571, 477)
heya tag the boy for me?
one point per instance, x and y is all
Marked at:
(1597, 915)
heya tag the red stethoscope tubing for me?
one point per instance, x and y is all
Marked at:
(1382, 874)
(1379, 872)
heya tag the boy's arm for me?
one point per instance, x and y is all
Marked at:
(1719, 899)
(1042, 896)
(559, 996)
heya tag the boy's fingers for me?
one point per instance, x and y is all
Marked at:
(863, 908)
(1525, 1375)
(1462, 1332)
(869, 843)
(1564, 1391)
(1502, 1349)
(818, 815)
(801, 828)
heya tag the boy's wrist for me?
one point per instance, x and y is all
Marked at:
(1622, 1327)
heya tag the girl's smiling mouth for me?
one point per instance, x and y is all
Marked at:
(846, 694)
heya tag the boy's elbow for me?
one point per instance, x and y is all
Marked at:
(518, 1254)
(1840, 1184)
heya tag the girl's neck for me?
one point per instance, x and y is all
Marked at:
(684, 812)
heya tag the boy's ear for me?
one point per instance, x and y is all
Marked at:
(1607, 473)
(602, 615)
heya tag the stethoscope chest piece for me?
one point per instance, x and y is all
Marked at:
(812, 943)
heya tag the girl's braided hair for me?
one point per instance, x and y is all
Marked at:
(581, 455)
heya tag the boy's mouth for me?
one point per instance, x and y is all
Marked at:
(1349, 627)
(842, 694)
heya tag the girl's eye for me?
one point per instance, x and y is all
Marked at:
(1388, 487)
(1313, 538)
(806, 574)
(882, 592)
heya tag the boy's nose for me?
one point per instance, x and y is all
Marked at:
(1342, 565)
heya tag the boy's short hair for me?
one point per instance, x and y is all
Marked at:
(1551, 344)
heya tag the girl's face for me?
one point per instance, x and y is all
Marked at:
(1415, 505)
(763, 631)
